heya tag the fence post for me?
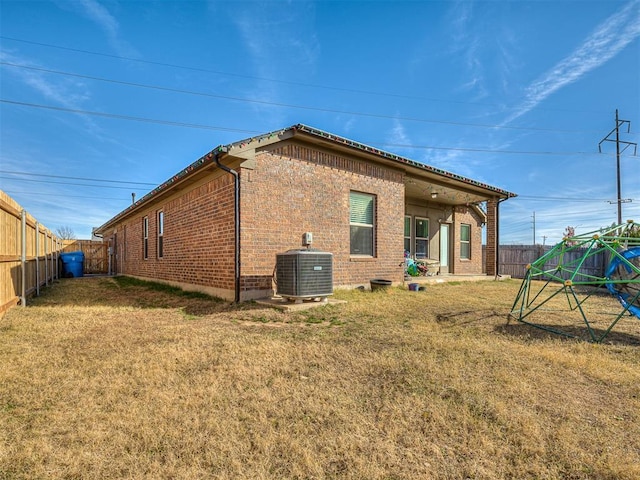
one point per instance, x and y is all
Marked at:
(23, 257)
(54, 260)
(37, 259)
(56, 266)
(53, 257)
(46, 260)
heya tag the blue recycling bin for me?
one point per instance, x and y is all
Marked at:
(72, 264)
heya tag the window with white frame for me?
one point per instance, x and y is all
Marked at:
(160, 234)
(465, 241)
(145, 237)
(422, 237)
(407, 233)
(362, 223)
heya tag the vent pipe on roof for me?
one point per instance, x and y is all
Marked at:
(236, 214)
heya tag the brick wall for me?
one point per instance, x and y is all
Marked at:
(492, 237)
(288, 189)
(284, 197)
(198, 239)
(473, 265)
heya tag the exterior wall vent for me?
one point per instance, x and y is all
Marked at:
(304, 273)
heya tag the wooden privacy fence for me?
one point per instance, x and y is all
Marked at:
(96, 259)
(28, 254)
(514, 259)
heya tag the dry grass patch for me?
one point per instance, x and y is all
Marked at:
(108, 380)
(567, 311)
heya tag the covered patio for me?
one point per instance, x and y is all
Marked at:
(444, 218)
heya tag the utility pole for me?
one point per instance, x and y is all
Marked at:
(616, 130)
(534, 227)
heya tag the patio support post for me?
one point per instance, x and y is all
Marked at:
(492, 237)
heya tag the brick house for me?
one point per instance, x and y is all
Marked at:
(217, 225)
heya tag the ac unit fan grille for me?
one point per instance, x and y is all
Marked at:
(304, 274)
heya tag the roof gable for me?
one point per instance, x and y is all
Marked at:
(246, 149)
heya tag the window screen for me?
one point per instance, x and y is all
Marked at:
(361, 221)
(145, 237)
(160, 234)
(465, 241)
(422, 238)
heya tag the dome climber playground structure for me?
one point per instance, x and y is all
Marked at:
(560, 295)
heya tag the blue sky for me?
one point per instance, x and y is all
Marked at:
(517, 94)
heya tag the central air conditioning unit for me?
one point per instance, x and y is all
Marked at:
(304, 273)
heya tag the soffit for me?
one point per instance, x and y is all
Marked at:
(416, 170)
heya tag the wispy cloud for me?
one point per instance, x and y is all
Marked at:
(467, 45)
(272, 38)
(454, 161)
(102, 17)
(604, 43)
(462, 13)
(268, 33)
(398, 134)
(348, 124)
(68, 92)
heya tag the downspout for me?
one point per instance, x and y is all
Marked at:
(500, 200)
(236, 216)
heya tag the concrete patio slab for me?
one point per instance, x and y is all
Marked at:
(289, 306)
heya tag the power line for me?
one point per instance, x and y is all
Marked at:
(63, 183)
(253, 77)
(230, 74)
(76, 178)
(38, 194)
(128, 117)
(282, 105)
(127, 182)
(478, 150)
(208, 127)
(579, 212)
(568, 199)
(284, 82)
